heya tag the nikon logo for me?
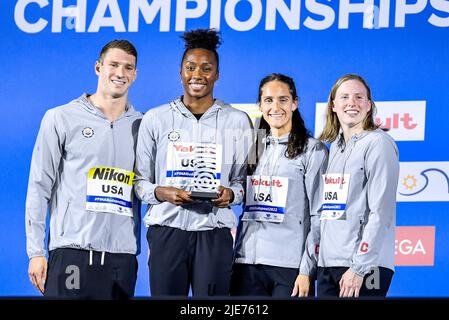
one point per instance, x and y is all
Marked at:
(112, 175)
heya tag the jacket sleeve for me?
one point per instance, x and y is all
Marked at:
(144, 183)
(382, 170)
(315, 168)
(243, 144)
(47, 155)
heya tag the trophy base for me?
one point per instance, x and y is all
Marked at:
(201, 195)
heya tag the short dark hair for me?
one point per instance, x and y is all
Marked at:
(208, 39)
(124, 45)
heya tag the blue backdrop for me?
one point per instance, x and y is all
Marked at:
(400, 47)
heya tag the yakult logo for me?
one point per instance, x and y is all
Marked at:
(179, 148)
(404, 119)
(397, 121)
(267, 183)
(415, 246)
(339, 180)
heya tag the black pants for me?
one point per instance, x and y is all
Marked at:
(264, 280)
(375, 284)
(180, 259)
(70, 275)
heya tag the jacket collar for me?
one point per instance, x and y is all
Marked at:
(279, 140)
(341, 139)
(87, 105)
(178, 105)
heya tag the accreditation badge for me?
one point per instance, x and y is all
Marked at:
(194, 166)
(266, 198)
(335, 196)
(110, 190)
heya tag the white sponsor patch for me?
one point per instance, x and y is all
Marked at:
(423, 181)
(405, 120)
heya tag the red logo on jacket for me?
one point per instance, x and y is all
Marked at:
(364, 247)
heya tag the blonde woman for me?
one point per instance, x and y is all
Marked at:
(358, 214)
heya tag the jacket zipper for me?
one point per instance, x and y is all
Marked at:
(111, 124)
(186, 212)
(324, 222)
(257, 224)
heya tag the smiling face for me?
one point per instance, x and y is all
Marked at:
(277, 106)
(116, 72)
(199, 71)
(351, 104)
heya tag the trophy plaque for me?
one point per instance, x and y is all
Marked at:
(207, 171)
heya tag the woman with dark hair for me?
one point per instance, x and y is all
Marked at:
(191, 166)
(275, 252)
(358, 215)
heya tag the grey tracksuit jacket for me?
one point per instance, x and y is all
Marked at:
(291, 243)
(61, 159)
(221, 124)
(366, 238)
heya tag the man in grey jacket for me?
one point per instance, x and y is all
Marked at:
(82, 172)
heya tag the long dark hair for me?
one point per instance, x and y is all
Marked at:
(298, 137)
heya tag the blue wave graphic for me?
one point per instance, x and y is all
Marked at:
(423, 173)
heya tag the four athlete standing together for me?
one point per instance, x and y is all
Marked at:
(306, 215)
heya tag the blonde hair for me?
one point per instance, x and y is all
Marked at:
(332, 127)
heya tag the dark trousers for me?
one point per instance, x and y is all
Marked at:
(71, 276)
(375, 284)
(264, 280)
(180, 259)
